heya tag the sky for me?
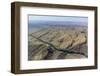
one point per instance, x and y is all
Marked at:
(41, 21)
(58, 18)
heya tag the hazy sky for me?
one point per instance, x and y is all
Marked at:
(65, 20)
(58, 18)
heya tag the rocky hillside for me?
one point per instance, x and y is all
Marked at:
(70, 38)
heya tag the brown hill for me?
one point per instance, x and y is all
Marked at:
(66, 38)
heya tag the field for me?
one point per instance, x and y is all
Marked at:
(51, 43)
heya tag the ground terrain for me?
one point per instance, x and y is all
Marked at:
(70, 38)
